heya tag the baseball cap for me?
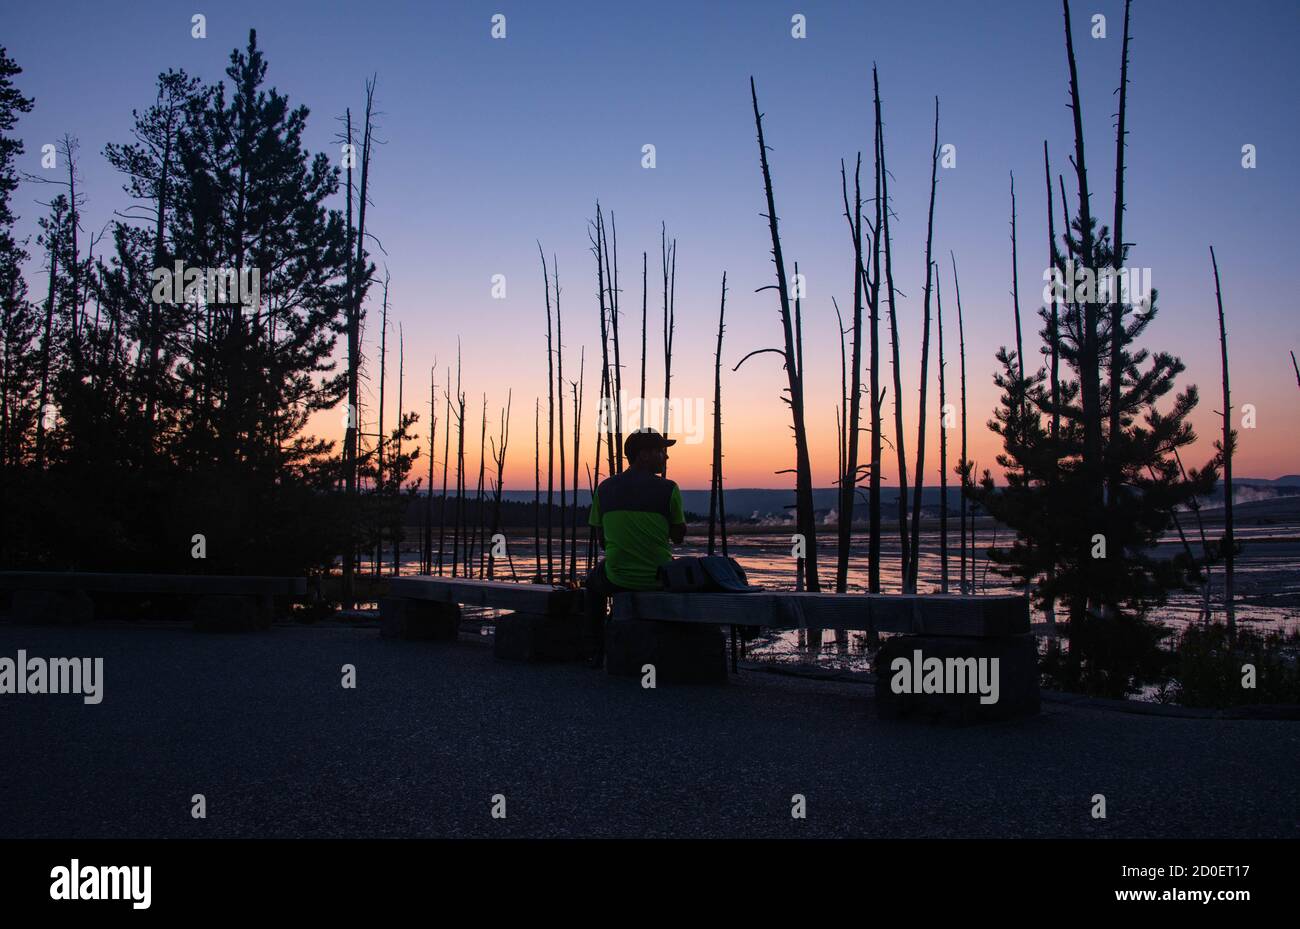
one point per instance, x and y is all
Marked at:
(643, 439)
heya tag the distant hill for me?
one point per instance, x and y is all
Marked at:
(771, 506)
(768, 505)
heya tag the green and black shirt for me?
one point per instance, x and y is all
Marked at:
(635, 509)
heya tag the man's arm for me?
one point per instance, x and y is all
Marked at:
(676, 517)
(594, 519)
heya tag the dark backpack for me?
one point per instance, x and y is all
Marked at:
(708, 574)
(704, 574)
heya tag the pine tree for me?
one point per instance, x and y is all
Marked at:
(1089, 503)
(19, 318)
(250, 197)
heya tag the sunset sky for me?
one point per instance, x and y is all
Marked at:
(493, 145)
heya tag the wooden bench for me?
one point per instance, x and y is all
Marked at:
(912, 614)
(213, 602)
(680, 634)
(544, 622)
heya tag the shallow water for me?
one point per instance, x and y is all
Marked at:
(1267, 579)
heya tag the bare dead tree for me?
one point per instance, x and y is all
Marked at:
(354, 362)
(559, 389)
(873, 303)
(358, 280)
(616, 376)
(67, 147)
(537, 488)
(715, 478)
(428, 496)
(54, 247)
(1118, 254)
(499, 461)
(964, 465)
(1089, 348)
(56, 244)
(397, 457)
(841, 407)
(905, 548)
(604, 423)
(446, 460)
(1053, 319)
(670, 316)
(849, 469)
(943, 447)
(1227, 445)
(914, 559)
(1065, 216)
(814, 636)
(460, 523)
(1015, 283)
(1194, 504)
(644, 294)
(550, 427)
(478, 500)
(379, 429)
(592, 481)
(792, 354)
(577, 434)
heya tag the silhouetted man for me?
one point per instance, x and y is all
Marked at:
(637, 516)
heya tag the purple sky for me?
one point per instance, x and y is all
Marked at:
(495, 144)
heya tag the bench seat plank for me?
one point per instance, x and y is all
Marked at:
(934, 614)
(178, 584)
(503, 595)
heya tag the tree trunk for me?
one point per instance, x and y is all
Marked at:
(550, 429)
(559, 393)
(670, 324)
(1229, 444)
(715, 478)
(577, 433)
(943, 448)
(428, 490)
(905, 548)
(873, 302)
(446, 461)
(805, 520)
(641, 423)
(537, 487)
(1117, 339)
(964, 467)
(1053, 335)
(379, 439)
(399, 520)
(914, 559)
(853, 414)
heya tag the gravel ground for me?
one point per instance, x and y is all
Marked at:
(261, 726)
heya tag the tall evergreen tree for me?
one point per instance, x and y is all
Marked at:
(1089, 502)
(19, 317)
(250, 198)
(150, 165)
